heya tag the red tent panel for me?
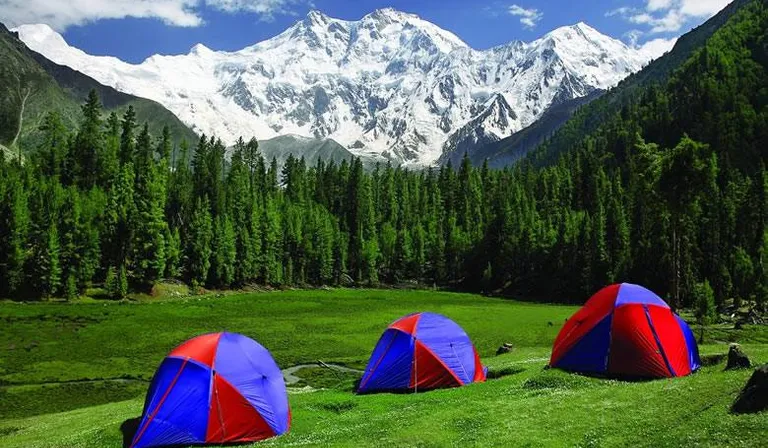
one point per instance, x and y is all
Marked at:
(201, 348)
(672, 339)
(428, 372)
(232, 418)
(633, 349)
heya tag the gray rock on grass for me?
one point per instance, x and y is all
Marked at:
(754, 397)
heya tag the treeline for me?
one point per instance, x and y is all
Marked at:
(110, 204)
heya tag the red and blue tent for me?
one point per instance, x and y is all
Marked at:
(626, 330)
(215, 388)
(419, 352)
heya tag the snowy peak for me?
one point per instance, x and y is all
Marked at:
(389, 85)
(42, 36)
(390, 15)
(200, 50)
(316, 17)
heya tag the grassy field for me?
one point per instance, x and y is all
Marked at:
(72, 374)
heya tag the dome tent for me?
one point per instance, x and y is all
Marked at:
(215, 388)
(626, 330)
(422, 351)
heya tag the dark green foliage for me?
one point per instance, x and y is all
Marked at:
(200, 234)
(224, 253)
(660, 194)
(172, 253)
(704, 305)
(116, 283)
(14, 229)
(149, 224)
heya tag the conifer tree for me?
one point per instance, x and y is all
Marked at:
(14, 229)
(223, 253)
(89, 143)
(127, 136)
(53, 149)
(199, 239)
(172, 253)
(149, 227)
(109, 156)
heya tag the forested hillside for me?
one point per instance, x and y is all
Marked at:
(669, 192)
(591, 117)
(31, 85)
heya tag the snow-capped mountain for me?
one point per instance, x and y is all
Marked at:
(388, 85)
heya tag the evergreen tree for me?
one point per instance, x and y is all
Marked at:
(172, 253)
(198, 247)
(109, 156)
(119, 216)
(88, 143)
(705, 306)
(223, 253)
(127, 136)
(54, 147)
(14, 228)
(149, 227)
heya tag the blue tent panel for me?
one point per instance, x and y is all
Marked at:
(450, 343)
(690, 341)
(390, 364)
(629, 293)
(177, 412)
(590, 354)
(249, 367)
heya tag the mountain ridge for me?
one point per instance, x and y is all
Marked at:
(390, 85)
(55, 87)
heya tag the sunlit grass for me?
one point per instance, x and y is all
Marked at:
(524, 405)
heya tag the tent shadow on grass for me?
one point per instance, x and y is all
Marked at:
(601, 376)
(129, 428)
(494, 374)
(491, 375)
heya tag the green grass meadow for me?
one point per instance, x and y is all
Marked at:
(72, 374)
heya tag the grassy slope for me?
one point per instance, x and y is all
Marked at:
(527, 407)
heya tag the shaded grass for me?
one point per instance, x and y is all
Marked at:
(494, 374)
(55, 342)
(23, 401)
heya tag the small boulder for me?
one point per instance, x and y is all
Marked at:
(737, 359)
(505, 348)
(754, 397)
